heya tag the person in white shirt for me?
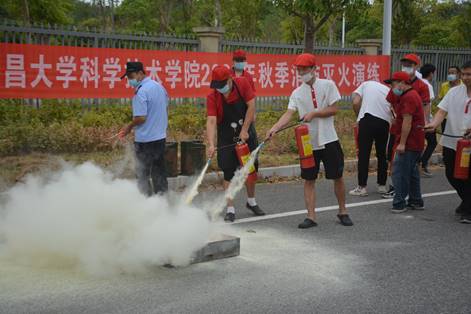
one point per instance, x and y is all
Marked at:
(456, 106)
(373, 118)
(427, 71)
(315, 100)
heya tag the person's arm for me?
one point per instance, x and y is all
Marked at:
(249, 118)
(427, 112)
(356, 101)
(406, 127)
(323, 113)
(281, 123)
(139, 110)
(437, 119)
(211, 123)
(135, 122)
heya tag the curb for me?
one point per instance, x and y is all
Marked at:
(290, 171)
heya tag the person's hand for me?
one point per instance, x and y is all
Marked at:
(244, 136)
(271, 132)
(401, 148)
(210, 151)
(123, 132)
(429, 127)
(309, 116)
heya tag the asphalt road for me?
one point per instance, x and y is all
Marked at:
(416, 262)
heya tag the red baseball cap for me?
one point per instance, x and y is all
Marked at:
(219, 76)
(399, 76)
(412, 57)
(305, 60)
(239, 54)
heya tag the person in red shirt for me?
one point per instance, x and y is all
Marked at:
(231, 110)
(239, 59)
(409, 64)
(410, 142)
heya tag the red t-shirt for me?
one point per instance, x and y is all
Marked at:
(247, 75)
(411, 103)
(215, 101)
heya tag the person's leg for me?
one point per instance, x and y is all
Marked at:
(229, 201)
(462, 187)
(158, 171)
(415, 195)
(339, 188)
(431, 145)
(310, 198)
(365, 142)
(143, 166)
(399, 181)
(381, 141)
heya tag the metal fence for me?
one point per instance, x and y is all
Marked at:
(71, 36)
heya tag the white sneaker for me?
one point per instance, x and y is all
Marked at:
(382, 189)
(359, 191)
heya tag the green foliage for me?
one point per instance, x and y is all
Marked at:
(38, 11)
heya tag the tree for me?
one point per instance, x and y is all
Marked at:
(38, 11)
(314, 14)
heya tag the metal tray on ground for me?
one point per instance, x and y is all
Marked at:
(221, 246)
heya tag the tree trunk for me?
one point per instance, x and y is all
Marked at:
(332, 36)
(308, 34)
(217, 13)
(27, 18)
(112, 14)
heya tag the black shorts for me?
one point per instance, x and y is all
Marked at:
(332, 158)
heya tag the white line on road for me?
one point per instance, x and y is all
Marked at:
(333, 207)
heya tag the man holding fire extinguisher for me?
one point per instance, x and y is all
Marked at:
(315, 101)
(231, 111)
(456, 107)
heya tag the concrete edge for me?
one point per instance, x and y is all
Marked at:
(290, 171)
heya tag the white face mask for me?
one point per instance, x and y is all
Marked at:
(307, 77)
(408, 70)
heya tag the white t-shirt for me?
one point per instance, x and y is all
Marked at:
(430, 89)
(373, 95)
(321, 130)
(459, 117)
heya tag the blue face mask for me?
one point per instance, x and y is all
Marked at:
(133, 82)
(239, 66)
(397, 91)
(451, 77)
(223, 90)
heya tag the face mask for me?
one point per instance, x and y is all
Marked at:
(223, 90)
(307, 77)
(408, 70)
(239, 66)
(133, 82)
(397, 91)
(451, 77)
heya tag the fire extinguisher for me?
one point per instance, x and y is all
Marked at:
(463, 152)
(355, 133)
(303, 141)
(243, 154)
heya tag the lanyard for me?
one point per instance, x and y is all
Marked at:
(314, 99)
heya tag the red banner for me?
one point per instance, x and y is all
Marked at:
(36, 71)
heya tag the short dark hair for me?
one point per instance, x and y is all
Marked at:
(427, 69)
(455, 67)
(466, 65)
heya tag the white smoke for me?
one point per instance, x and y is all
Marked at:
(82, 217)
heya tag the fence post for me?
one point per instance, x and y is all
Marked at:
(209, 38)
(371, 46)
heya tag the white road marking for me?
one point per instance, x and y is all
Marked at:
(333, 207)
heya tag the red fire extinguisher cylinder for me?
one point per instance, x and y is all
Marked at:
(303, 142)
(462, 159)
(243, 155)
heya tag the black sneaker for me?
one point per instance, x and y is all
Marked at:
(465, 219)
(459, 210)
(307, 223)
(230, 217)
(345, 220)
(426, 172)
(390, 193)
(399, 210)
(256, 210)
(415, 207)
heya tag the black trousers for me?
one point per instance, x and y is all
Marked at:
(462, 187)
(431, 139)
(372, 129)
(150, 167)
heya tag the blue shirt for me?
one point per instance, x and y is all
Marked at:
(150, 100)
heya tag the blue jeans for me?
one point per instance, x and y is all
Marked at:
(406, 179)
